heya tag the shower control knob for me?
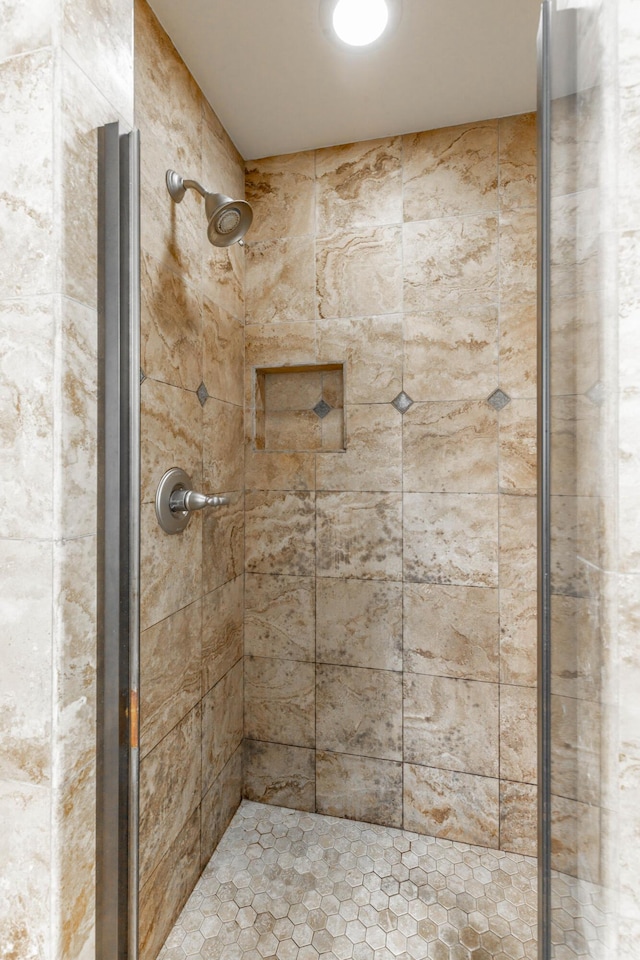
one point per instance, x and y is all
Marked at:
(176, 501)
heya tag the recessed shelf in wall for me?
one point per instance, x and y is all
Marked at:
(299, 408)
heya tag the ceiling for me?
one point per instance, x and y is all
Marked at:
(280, 85)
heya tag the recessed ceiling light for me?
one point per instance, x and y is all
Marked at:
(359, 23)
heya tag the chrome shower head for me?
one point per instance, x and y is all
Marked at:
(228, 219)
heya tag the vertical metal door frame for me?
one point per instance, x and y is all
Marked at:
(544, 483)
(119, 544)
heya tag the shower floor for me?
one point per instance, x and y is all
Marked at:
(300, 886)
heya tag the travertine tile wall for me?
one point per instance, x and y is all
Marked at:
(66, 68)
(191, 583)
(390, 589)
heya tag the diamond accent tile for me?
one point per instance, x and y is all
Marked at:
(143, 376)
(402, 402)
(498, 399)
(321, 409)
(300, 886)
(597, 393)
(203, 394)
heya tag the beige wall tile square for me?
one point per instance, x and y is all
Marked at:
(371, 347)
(169, 791)
(451, 724)
(222, 165)
(455, 806)
(223, 543)
(576, 830)
(578, 545)
(519, 818)
(281, 191)
(450, 261)
(221, 724)
(359, 623)
(518, 543)
(518, 734)
(171, 431)
(170, 655)
(451, 354)
(359, 788)
(518, 256)
(291, 430)
(451, 538)
(223, 353)
(223, 275)
(359, 711)
(576, 345)
(577, 654)
(292, 390)
(219, 805)
(518, 351)
(25, 28)
(450, 447)
(576, 749)
(359, 274)
(272, 470)
(359, 535)
(170, 567)
(222, 631)
(280, 617)
(579, 457)
(222, 447)
(451, 172)
(372, 459)
(280, 774)
(280, 701)
(518, 161)
(518, 448)
(280, 280)
(451, 631)
(519, 637)
(279, 344)
(75, 827)
(280, 532)
(359, 184)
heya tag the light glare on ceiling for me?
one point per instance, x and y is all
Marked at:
(360, 22)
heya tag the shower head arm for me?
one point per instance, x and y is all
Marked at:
(177, 186)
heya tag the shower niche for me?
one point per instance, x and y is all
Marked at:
(299, 408)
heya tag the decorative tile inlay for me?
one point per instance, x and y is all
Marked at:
(498, 399)
(203, 394)
(298, 886)
(402, 402)
(321, 409)
(596, 393)
(143, 375)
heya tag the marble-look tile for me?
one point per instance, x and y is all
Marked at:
(518, 256)
(223, 543)
(577, 749)
(455, 806)
(450, 353)
(518, 349)
(287, 431)
(518, 637)
(518, 736)
(518, 543)
(169, 791)
(273, 470)
(26, 681)
(222, 446)
(280, 280)
(576, 831)
(219, 805)
(359, 711)
(280, 774)
(170, 654)
(280, 532)
(168, 887)
(359, 274)
(451, 538)
(359, 535)
(359, 623)
(359, 788)
(451, 172)
(372, 459)
(170, 567)
(451, 631)
(26, 426)
(579, 649)
(25, 28)
(578, 547)
(359, 184)
(171, 431)
(222, 723)
(222, 165)
(25, 132)
(280, 344)
(222, 631)
(281, 191)
(518, 448)
(26, 856)
(223, 353)
(75, 830)
(519, 818)
(450, 447)
(450, 261)
(579, 464)
(518, 161)
(371, 348)
(452, 724)
(280, 701)
(293, 390)
(279, 617)
(223, 275)
(100, 40)
(170, 326)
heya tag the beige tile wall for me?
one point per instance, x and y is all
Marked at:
(191, 583)
(390, 589)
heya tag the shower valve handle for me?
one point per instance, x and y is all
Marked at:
(189, 500)
(176, 501)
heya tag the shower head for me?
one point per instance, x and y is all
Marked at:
(228, 219)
